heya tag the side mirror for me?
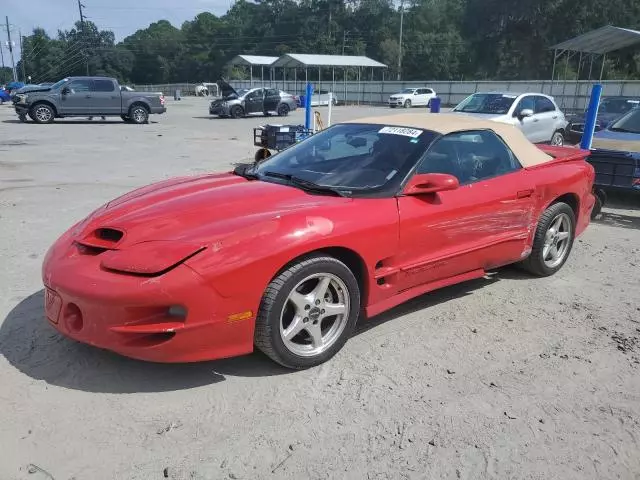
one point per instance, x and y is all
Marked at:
(425, 183)
(66, 91)
(527, 112)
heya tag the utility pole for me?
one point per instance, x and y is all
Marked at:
(24, 75)
(344, 41)
(13, 63)
(400, 40)
(86, 57)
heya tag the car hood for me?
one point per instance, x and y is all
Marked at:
(226, 90)
(35, 88)
(603, 119)
(619, 141)
(498, 117)
(200, 209)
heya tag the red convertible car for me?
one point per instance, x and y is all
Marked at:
(287, 254)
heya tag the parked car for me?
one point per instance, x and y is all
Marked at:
(285, 254)
(4, 96)
(249, 101)
(321, 97)
(412, 97)
(86, 97)
(536, 114)
(611, 108)
(615, 156)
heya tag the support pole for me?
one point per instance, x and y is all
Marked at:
(590, 120)
(329, 109)
(553, 70)
(307, 106)
(400, 39)
(13, 63)
(577, 88)
(261, 74)
(251, 75)
(604, 60)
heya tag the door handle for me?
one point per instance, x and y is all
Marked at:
(536, 120)
(525, 193)
(87, 96)
(555, 117)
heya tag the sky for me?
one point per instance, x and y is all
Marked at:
(123, 17)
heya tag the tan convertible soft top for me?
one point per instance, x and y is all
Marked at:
(526, 152)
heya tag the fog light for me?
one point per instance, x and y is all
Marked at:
(73, 317)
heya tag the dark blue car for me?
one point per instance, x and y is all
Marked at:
(615, 156)
(610, 109)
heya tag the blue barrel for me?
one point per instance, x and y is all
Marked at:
(435, 104)
(177, 94)
(302, 104)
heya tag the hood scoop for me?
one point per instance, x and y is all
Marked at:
(104, 238)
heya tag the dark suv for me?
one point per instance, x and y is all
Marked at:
(248, 101)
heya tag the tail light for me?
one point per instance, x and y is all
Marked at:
(162, 100)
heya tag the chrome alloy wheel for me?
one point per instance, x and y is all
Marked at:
(43, 114)
(315, 314)
(557, 241)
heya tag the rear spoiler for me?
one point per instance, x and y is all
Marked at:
(564, 154)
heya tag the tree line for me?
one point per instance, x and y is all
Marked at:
(442, 40)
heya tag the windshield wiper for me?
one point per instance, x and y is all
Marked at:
(243, 170)
(304, 184)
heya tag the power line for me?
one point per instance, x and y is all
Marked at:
(80, 7)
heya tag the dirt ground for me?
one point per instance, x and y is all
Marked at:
(508, 377)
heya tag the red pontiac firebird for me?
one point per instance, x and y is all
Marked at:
(286, 255)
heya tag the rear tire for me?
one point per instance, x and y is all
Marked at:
(283, 110)
(293, 328)
(553, 241)
(600, 199)
(139, 114)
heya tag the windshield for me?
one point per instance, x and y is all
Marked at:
(617, 105)
(242, 91)
(407, 90)
(57, 85)
(629, 123)
(352, 158)
(490, 103)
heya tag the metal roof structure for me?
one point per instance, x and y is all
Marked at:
(252, 60)
(298, 60)
(601, 41)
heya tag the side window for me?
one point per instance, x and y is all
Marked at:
(527, 103)
(543, 105)
(102, 86)
(79, 86)
(272, 92)
(256, 94)
(428, 91)
(469, 156)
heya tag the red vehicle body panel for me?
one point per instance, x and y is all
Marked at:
(175, 271)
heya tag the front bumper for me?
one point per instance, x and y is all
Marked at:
(219, 109)
(21, 109)
(394, 102)
(135, 316)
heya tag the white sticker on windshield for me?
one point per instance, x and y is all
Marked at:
(407, 132)
(509, 96)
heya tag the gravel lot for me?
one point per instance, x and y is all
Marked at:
(508, 377)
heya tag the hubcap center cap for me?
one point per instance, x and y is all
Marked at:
(314, 314)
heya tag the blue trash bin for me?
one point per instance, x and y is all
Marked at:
(435, 104)
(177, 94)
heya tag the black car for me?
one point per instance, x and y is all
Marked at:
(610, 109)
(247, 101)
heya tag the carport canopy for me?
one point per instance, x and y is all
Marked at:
(252, 60)
(596, 43)
(601, 41)
(299, 60)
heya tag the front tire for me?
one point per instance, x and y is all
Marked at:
(553, 240)
(42, 113)
(139, 114)
(308, 312)
(236, 111)
(407, 104)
